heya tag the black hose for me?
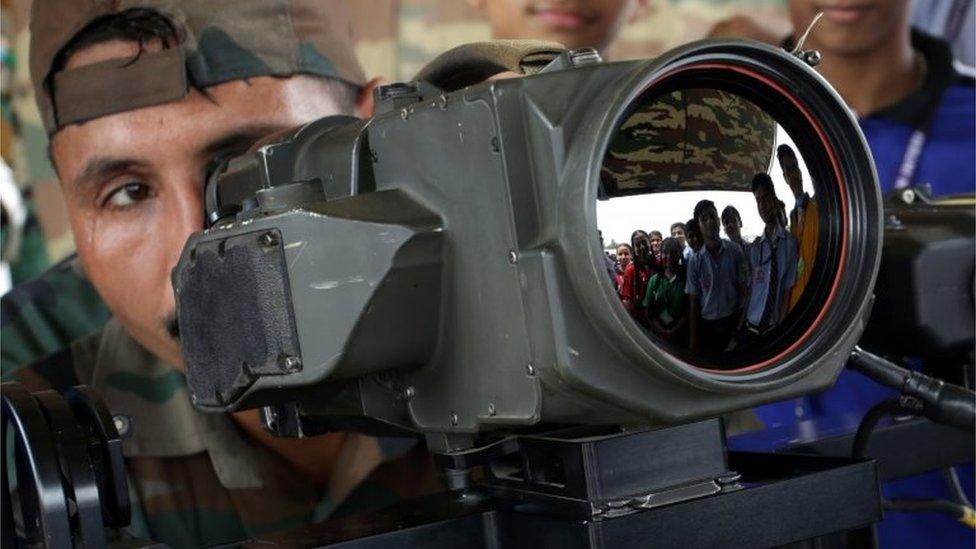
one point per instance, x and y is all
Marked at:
(955, 487)
(870, 421)
(939, 401)
(938, 505)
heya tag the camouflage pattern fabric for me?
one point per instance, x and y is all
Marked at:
(198, 479)
(47, 313)
(690, 140)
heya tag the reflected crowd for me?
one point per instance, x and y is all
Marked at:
(712, 293)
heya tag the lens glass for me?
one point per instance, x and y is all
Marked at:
(709, 224)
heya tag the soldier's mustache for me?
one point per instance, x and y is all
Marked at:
(172, 326)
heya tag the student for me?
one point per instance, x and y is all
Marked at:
(716, 285)
(772, 260)
(656, 238)
(634, 282)
(693, 236)
(578, 24)
(732, 224)
(804, 220)
(678, 230)
(624, 256)
(665, 303)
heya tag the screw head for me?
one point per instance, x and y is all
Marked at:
(409, 392)
(291, 363)
(530, 369)
(442, 101)
(122, 425)
(491, 409)
(404, 113)
(194, 399)
(512, 257)
(812, 57)
(269, 239)
(454, 419)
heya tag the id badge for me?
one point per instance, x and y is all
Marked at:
(666, 317)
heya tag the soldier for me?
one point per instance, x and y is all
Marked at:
(574, 24)
(138, 101)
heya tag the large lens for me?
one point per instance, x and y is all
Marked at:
(715, 233)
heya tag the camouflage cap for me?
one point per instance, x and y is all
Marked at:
(221, 40)
(694, 139)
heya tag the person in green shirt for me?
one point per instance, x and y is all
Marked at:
(665, 302)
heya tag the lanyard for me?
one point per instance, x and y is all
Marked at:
(909, 161)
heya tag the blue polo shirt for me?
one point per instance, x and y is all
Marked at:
(760, 254)
(944, 107)
(715, 280)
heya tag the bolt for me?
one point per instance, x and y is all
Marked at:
(121, 425)
(530, 369)
(269, 239)
(193, 399)
(291, 363)
(491, 409)
(454, 419)
(404, 113)
(442, 101)
(512, 257)
(812, 57)
(409, 392)
(728, 481)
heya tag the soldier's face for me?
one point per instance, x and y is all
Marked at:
(573, 23)
(133, 184)
(850, 27)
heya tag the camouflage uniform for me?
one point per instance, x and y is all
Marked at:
(195, 479)
(198, 479)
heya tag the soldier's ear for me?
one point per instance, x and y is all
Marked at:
(365, 106)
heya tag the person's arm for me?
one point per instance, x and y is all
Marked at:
(627, 296)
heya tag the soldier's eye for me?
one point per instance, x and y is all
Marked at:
(127, 195)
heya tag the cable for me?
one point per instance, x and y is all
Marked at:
(870, 421)
(955, 487)
(962, 513)
(937, 400)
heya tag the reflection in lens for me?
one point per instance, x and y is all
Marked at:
(720, 177)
